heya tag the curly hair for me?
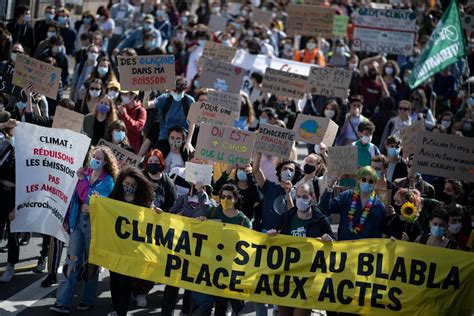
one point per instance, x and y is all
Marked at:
(297, 175)
(409, 195)
(235, 193)
(144, 195)
(111, 166)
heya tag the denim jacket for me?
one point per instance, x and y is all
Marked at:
(84, 190)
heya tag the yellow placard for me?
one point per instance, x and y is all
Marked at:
(372, 276)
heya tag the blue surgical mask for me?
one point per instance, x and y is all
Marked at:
(147, 26)
(103, 108)
(95, 164)
(21, 105)
(366, 187)
(184, 20)
(302, 204)
(160, 13)
(470, 101)
(12, 141)
(150, 44)
(241, 175)
(87, 20)
(201, 42)
(263, 120)
(177, 96)
(286, 175)
(393, 152)
(49, 16)
(227, 43)
(118, 136)
(437, 231)
(197, 84)
(62, 20)
(379, 174)
(102, 71)
(171, 49)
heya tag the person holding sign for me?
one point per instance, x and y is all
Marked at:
(97, 179)
(362, 213)
(226, 212)
(303, 220)
(132, 187)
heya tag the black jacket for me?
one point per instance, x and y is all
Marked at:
(24, 34)
(318, 226)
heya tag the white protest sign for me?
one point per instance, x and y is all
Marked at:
(46, 163)
(330, 82)
(292, 66)
(194, 173)
(384, 31)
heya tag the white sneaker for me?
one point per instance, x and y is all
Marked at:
(141, 300)
(8, 274)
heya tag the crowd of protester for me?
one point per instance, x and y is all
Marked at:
(295, 197)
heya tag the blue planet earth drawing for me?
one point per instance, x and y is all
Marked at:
(308, 129)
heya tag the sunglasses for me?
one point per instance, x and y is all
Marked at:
(94, 89)
(367, 180)
(403, 109)
(226, 197)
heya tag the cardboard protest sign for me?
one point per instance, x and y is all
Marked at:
(42, 76)
(46, 163)
(225, 144)
(261, 16)
(330, 82)
(205, 112)
(339, 28)
(292, 66)
(217, 23)
(274, 141)
(217, 51)
(123, 156)
(445, 155)
(230, 101)
(283, 83)
(310, 20)
(221, 76)
(154, 72)
(194, 173)
(343, 160)
(64, 118)
(314, 130)
(6, 85)
(409, 136)
(384, 31)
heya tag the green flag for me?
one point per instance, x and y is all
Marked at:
(446, 45)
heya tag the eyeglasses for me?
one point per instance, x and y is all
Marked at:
(404, 109)
(364, 180)
(226, 197)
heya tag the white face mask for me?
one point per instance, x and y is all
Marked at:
(366, 139)
(113, 94)
(446, 123)
(317, 149)
(13, 56)
(329, 113)
(302, 204)
(389, 71)
(94, 93)
(125, 99)
(92, 56)
(50, 34)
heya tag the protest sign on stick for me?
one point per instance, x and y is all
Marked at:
(228, 100)
(64, 118)
(310, 20)
(283, 83)
(274, 141)
(194, 173)
(221, 76)
(384, 31)
(444, 155)
(343, 159)
(46, 163)
(225, 144)
(43, 77)
(339, 27)
(205, 112)
(123, 156)
(141, 73)
(329, 82)
(314, 130)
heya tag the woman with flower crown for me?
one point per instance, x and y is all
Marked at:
(362, 213)
(404, 224)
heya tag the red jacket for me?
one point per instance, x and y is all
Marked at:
(134, 120)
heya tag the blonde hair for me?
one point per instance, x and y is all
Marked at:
(111, 115)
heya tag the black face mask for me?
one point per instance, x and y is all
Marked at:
(397, 208)
(309, 169)
(372, 74)
(153, 168)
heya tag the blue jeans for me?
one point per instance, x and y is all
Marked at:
(78, 253)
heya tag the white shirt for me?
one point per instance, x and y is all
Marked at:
(173, 160)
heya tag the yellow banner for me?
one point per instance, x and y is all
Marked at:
(372, 276)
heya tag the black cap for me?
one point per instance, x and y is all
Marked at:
(4, 116)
